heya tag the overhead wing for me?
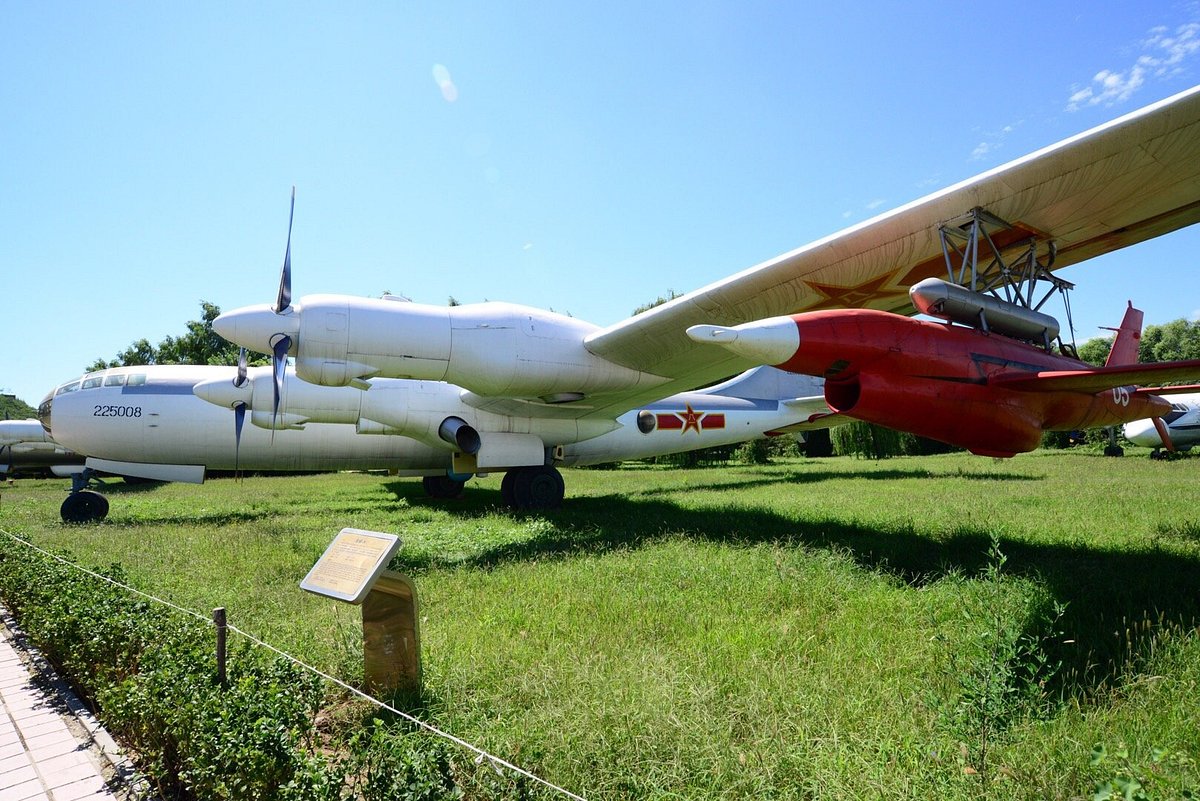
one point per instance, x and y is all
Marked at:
(1100, 378)
(1129, 180)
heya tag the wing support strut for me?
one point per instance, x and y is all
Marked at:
(983, 256)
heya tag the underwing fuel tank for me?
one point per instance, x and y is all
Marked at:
(955, 303)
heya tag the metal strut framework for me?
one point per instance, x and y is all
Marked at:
(975, 261)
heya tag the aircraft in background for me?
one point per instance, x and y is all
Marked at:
(171, 423)
(976, 381)
(538, 381)
(1182, 424)
(25, 447)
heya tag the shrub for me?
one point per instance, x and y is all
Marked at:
(151, 673)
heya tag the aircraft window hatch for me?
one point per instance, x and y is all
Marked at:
(65, 388)
(116, 380)
(95, 381)
(138, 380)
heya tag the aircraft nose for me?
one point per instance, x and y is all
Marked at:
(44, 410)
(257, 327)
(771, 341)
(1143, 433)
(222, 392)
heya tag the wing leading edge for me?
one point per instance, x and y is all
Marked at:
(1126, 181)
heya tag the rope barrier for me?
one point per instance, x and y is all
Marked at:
(481, 755)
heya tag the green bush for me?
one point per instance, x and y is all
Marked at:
(151, 673)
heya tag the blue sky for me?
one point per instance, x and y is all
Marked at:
(579, 157)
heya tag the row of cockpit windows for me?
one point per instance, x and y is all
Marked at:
(113, 380)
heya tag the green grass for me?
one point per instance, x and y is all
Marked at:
(790, 631)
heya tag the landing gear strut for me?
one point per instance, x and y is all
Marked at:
(84, 505)
(533, 488)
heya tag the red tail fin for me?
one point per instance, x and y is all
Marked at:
(1129, 336)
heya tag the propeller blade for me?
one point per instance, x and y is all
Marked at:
(240, 381)
(284, 301)
(279, 354)
(1163, 433)
(239, 419)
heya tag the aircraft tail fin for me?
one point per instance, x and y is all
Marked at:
(768, 383)
(1128, 338)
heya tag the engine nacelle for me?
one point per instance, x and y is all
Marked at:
(490, 348)
(960, 414)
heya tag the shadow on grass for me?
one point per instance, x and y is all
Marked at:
(1118, 603)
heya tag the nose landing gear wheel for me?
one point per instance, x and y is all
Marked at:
(85, 506)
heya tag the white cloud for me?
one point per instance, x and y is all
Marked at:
(1162, 55)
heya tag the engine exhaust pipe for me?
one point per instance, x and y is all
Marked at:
(462, 436)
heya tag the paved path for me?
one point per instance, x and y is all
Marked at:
(51, 748)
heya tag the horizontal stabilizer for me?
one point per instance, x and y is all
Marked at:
(1099, 378)
(1181, 389)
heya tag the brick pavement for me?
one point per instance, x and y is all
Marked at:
(51, 749)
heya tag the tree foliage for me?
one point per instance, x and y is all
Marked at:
(13, 408)
(660, 300)
(1177, 340)
(199, 345)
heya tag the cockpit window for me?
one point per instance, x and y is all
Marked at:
(138, 380)
(115, 380)
(65, 388)
(94, 381)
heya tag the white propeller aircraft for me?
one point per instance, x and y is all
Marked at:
(1182, 424)
(154, 423)
(499, 387)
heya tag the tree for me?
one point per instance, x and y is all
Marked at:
(1177, 340)
(13, 408)
(660, 300)
(200, 345)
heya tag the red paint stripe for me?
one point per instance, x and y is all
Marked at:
(669, 421)
(712, 420)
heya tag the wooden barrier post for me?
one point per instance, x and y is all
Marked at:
(219, 620)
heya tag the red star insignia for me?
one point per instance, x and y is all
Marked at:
(691, 419)
(858, 296)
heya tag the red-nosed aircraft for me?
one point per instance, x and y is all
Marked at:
(970, 386)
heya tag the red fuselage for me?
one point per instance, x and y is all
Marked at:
(935, 380)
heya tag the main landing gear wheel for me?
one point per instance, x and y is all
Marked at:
(85, 506)
(443, 486)
(532, 488)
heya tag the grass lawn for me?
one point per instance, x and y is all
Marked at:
(806, 629)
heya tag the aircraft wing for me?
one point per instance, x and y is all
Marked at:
(1101, 378)
(1126, 181)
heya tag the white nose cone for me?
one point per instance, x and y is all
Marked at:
(222, 392)
(771, 341)
(258, 327)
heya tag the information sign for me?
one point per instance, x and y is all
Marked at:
(351, 564)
